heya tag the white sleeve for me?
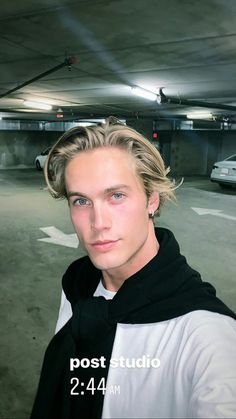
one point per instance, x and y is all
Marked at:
(65, 312)
(213, 360)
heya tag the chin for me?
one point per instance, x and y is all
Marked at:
(105, 263)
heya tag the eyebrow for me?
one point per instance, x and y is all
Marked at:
(106, 191)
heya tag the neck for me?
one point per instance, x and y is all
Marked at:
(114, 278)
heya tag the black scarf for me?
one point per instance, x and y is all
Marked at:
(163, 289)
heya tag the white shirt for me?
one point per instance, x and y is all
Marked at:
(193, 373)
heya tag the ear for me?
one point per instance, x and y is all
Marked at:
(153, 202)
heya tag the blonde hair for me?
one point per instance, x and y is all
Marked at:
(149, 163)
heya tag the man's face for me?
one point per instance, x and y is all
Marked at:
(109, 209)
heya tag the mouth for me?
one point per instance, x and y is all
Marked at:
(104, 244)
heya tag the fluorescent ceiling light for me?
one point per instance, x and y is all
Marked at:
(38, 105)
(85, 124)
(94, 120)
(89, 122)
(144, 93)
(199, 116)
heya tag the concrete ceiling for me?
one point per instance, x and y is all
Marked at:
(185, 47)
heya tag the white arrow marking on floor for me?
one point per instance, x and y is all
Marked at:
(58, 237)
(217, 213)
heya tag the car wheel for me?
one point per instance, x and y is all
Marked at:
(38, 167)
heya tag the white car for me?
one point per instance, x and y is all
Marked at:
(41, 158)
(224, 172)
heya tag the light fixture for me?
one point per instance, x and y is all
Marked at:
(144, 93)
(88, 122)
(200, 115)
(38, 105)
(85, 124)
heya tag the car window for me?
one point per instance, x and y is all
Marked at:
(45, 152)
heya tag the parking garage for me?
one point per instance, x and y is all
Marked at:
(189, 65)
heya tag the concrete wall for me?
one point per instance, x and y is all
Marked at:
(189, 152)
(194, 152)
(19, 148)
(228, 145)
(144, 126)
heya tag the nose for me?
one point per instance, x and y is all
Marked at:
(100, 217)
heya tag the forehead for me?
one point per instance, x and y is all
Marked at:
(101, 167)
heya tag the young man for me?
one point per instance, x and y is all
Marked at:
(139, 334)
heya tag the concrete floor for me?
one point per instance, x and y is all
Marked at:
(31, 270)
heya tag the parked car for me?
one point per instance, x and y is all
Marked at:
(224, 172)
(41, 158)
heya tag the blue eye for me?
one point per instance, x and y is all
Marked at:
(80, 202)
(118, 196)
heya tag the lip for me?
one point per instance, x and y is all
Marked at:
(104, 244)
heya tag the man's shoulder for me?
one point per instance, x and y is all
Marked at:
(203, 319)
(204, 328)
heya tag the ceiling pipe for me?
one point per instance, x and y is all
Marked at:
(67, 63)
(197, 103)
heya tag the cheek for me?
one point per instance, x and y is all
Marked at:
(137, 210)
(132, 221)
(78, 220)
